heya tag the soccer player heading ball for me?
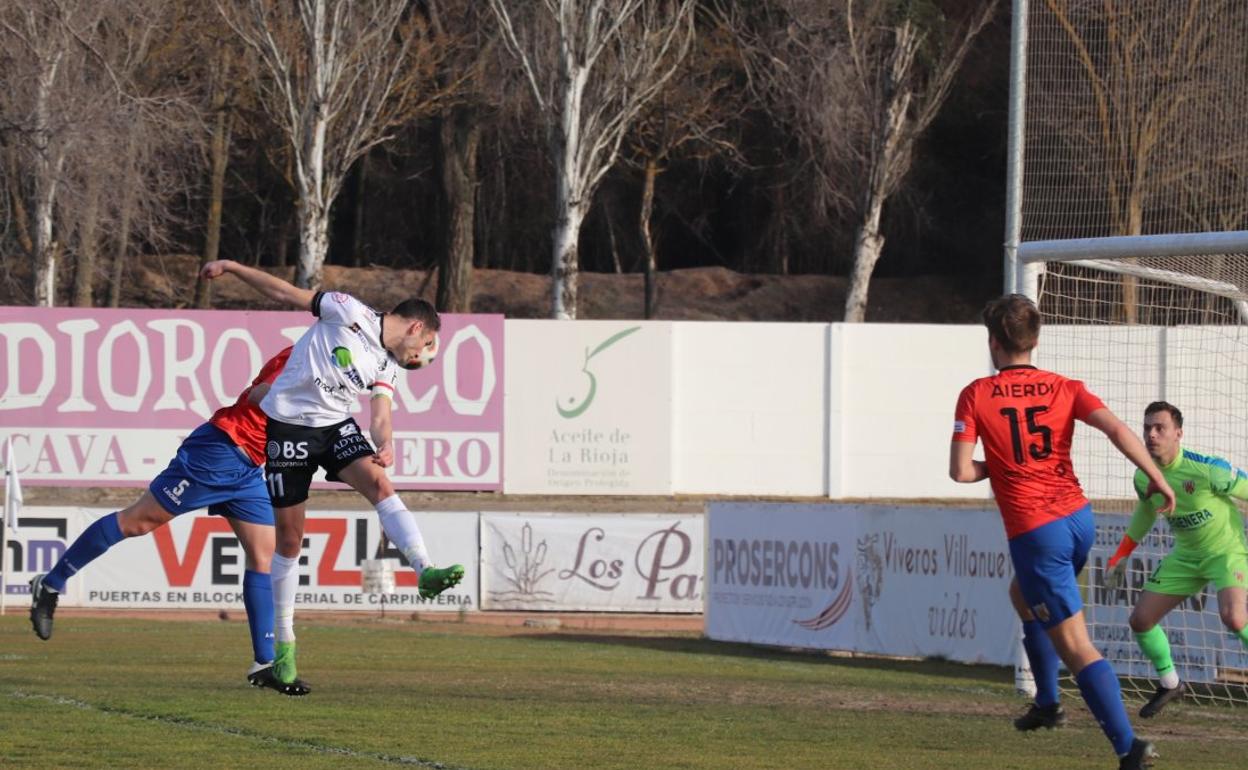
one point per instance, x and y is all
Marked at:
(349, 350)
(1208, 545)
(220, 466)
(1025, 418)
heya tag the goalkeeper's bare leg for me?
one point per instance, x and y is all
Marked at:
(1233, 609)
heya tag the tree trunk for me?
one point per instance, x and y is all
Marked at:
(84, 272)
(564, 265)
(220, 149)
(867, 248)
(313, 244)
(316, 191)
(1135, 226)
(127, 214)
(20, 218)
(461, 138)
(285, 233)
(357, 230)
(779, 263)
(868, 244)
(565, 259)
(50, 160)
(889, 163)
(45, 249)
(616, 264)
(647, 242)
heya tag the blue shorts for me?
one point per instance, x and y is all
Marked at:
(1048, 560)
(210, 471)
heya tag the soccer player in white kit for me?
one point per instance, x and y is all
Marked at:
(349, 350)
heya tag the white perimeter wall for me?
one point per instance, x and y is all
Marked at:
(748, 408)
(861, 410)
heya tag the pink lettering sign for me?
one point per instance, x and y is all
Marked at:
(103, 397)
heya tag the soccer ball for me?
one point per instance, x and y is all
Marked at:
(430, 352)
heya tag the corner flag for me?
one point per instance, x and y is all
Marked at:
(12, 488)
(12, 504)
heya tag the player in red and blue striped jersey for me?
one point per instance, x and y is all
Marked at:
(220, 466)
(1024, 417)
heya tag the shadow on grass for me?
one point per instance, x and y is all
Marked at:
(929, 666)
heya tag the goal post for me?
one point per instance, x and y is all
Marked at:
(1127, 222)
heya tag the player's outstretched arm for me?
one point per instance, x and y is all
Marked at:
(963, 468)
(269, 285)
(1133, 449)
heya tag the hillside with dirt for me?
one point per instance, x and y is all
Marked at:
(697, 294)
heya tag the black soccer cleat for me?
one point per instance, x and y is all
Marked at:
(42, 607)
(264, 677)
(1140, 757)
(1036, 717)
(1160, 698)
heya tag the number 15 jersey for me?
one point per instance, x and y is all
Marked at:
(1026, 419)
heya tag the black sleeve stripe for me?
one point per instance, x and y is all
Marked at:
(316, 304)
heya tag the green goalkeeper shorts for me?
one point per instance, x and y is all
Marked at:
(1183, 575)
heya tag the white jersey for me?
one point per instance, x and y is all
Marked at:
(335, 361)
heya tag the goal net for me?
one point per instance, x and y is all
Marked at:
(1133, 228)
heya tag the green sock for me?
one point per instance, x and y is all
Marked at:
(1243, 635)
(1156, 648)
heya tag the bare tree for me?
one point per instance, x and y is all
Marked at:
(46, 109)
(904, 91)
(592, 66)
(1151, 109)
(221, 75)
(470, 71)
(82, 97)
(861, 82)
(336, 76)
(694, 117)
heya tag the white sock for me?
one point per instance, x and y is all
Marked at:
(285, 576)
(400, 526)
(1170, 679)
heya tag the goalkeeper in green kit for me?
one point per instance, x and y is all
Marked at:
(1209, 545)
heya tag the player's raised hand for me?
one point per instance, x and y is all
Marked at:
(214, 269)
(385, 455)
(1167, 494)
(1116, 577)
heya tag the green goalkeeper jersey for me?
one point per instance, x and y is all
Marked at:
(1205, 521)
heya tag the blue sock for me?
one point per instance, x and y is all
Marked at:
(95, 540)
(1043, 660)
(258, 599)
(1099, 685)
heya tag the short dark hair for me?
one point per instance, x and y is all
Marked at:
(416, 309)
(1165, 406)
(1014, 322)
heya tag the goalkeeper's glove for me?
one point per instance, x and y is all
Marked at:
(1116, 575)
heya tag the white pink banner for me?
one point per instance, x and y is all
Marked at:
(104, 396)
(195, 562)
(896, 581)
(630, 562)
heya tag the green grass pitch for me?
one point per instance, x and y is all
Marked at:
(142, 693)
